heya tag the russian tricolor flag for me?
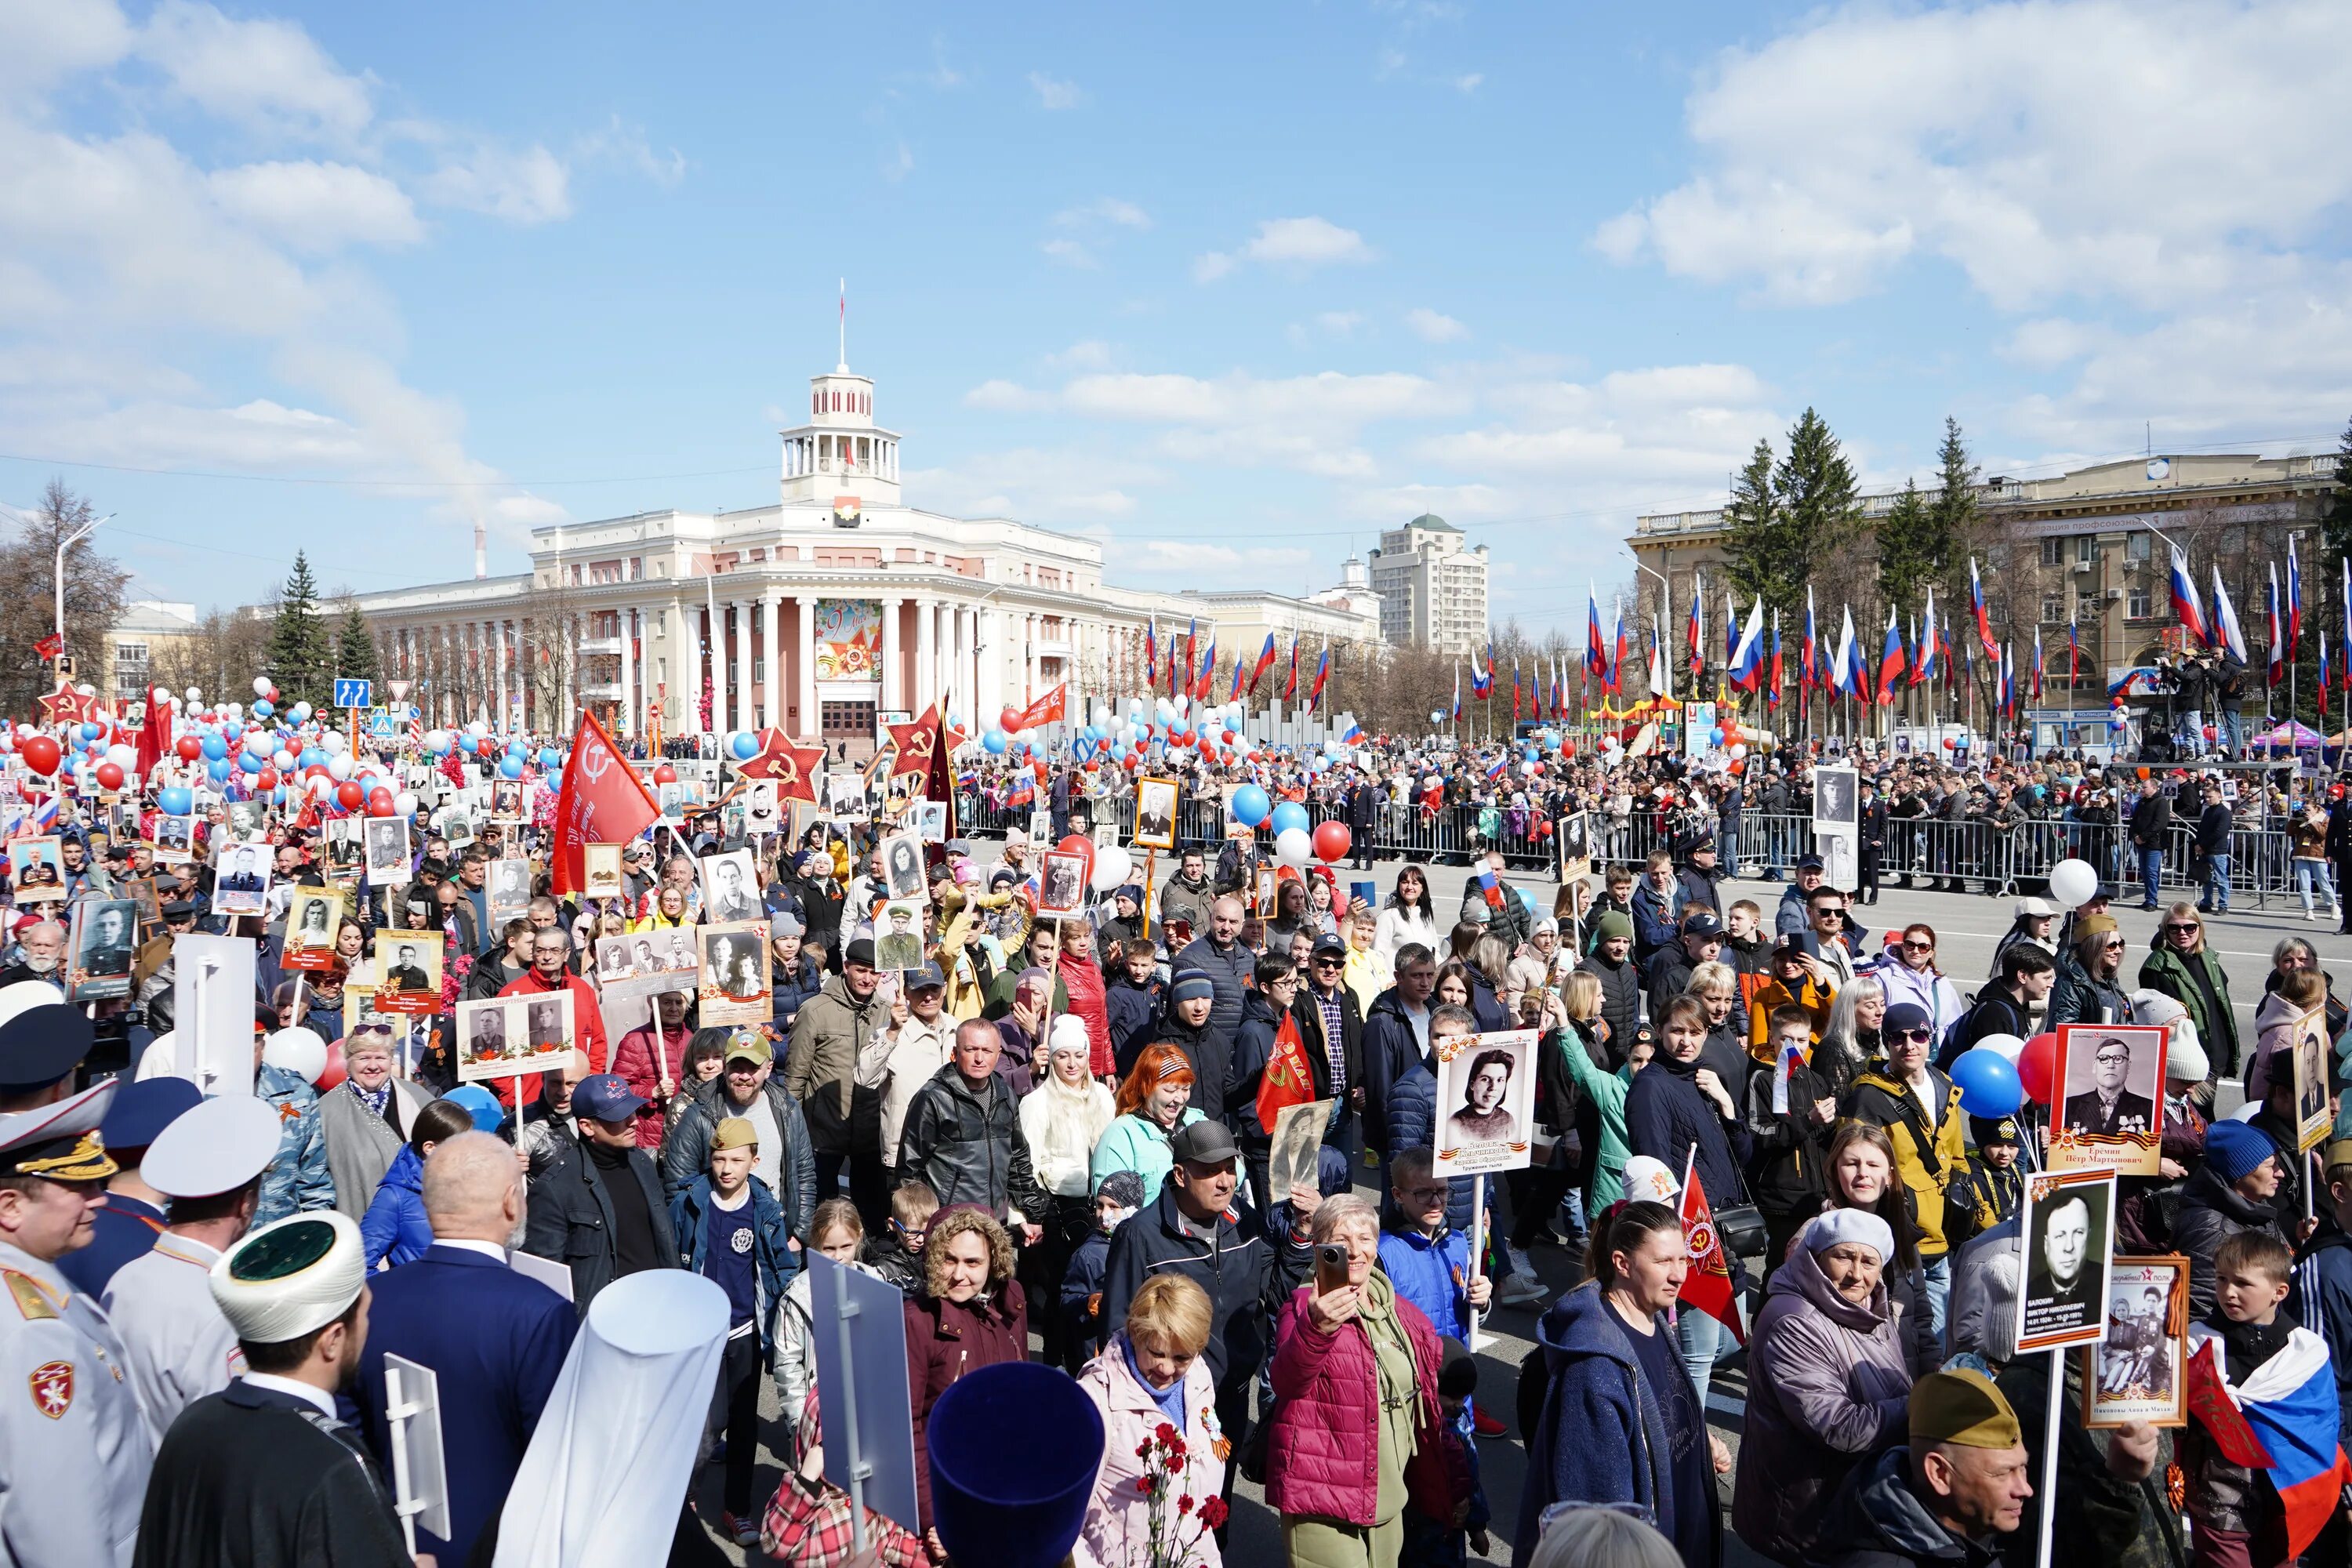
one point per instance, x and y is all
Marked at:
(1596, 663)
(1890, 658)
(1976, 609)
(1809, 662)
(2293, 600)
(1489, 884)
(2184, 601)
(1748, 654)
(1924, 670)
(2225, 620)
(1354, 735)
(2278, 642)
(2290, 1405)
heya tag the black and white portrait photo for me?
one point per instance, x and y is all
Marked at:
(730, 893)
(844, 797)
(1575, 835)
(1834, 797)
(507, 1036)
(2068, 1230)
(761, 814)
(407, 969)
(2312, 1120)
(1155, 814)
(928, 820)
(1061, 884)
(346, 855)
(734, 982)
(2111, 1116)
(1486, 1090)
(105, 933)
(242, 887)
(902, 866)
(176, 839)
(37, 867)
(508, 883)
(387, 850)
(2140, 1368)
(249, 822)
(600, 871)
(312, 917)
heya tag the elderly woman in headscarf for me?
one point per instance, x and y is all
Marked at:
(1355, 1374)
(1827, 1382)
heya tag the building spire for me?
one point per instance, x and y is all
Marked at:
(843, 368)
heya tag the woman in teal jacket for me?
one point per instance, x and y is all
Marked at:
(1152, 1103)
(1571, 1018)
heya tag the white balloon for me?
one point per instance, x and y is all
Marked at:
(339, 767)
(298, 1050)
(1292, 847)
(87, 689)
(196, 694)
(2006, 1045)
(1113, 866)
(2073, 883)
(436, 739)
(121, 755)
(322, 786)
(332, 743)
(262, 686)
(405, 803)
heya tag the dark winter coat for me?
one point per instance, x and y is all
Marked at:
(946, 1339)
(1247, 1271)
(970, 1150)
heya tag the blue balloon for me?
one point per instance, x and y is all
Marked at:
(510, 766)
(745, 746)
(1715, 735)
(261, 707)
(176, 800)
(1988, 1083)
(1250, 806)
(216, 749)
(217, 770)
(993, 743)
(547, 757)
(1290, 815)
(252, 761)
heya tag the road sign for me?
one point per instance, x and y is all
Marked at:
(354, 693)
(382, 726)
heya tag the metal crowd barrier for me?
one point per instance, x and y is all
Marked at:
(1977, 855)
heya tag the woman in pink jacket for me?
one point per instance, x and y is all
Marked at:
(1152, 1386)
(1357, 1428)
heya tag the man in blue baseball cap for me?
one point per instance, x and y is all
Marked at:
(599, 1205)
(133, 1215)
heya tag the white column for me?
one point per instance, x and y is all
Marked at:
(772, 612)
(804, 676)
(926, 655)
(717, 662)
(893, 689)
(628, 718)
(1032, 629)
(745, 719)
(686, 669)
(967, 678)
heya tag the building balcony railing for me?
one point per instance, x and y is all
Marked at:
(593, 647)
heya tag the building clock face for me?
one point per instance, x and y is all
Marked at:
(2158, 467)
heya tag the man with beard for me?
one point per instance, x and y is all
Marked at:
(497, 1338)
(264, 1474)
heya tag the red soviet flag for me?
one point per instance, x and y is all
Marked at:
(602, 801)
(1707, 1288)
(1289, 1080)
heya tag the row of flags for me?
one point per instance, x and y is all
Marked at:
(1191, 666)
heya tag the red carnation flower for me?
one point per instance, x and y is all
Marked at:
(1145, 1484)
(1184, 1503)
(1213, 1512)
(1167, 1433)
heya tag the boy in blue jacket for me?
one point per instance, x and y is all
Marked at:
(1120, 1194)
(731, 1230)
(1425, 1259)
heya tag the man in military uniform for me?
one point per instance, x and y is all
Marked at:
(179, 1346)
(2107, 1108)
(74, 1452)
(132, 1218)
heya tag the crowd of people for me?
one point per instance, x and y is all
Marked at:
(1051, 1136)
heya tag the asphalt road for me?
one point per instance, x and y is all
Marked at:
(1967, 928)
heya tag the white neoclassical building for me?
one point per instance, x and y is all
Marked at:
(816, 614)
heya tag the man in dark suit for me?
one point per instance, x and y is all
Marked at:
(402, 972)
(2107, 1106)
(2062, 1288)
(496, 1338)
(598, 1208)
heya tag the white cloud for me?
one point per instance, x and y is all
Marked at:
(1432, 327)
(1201, 557)
(1340, 323)
(1109, 210)
(525, 186)
(1052, 94)
(1468, 81)
(318, 208)
(898, 165)
(621, 146)
(45, 39)
(2150, 151)
(1306, 242)
(1069, 252)
(1053, 486)
(1089, 354)
(262, 74)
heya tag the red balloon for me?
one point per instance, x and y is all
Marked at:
(267, 779)
(349, 795)
(42, 753)
(1333, 841)
(2036, 1066)
(1134, 760)
(189, 748)
(335, 1070)
(1010, 720)
(380, 802)
(665, 774)
(109, 776)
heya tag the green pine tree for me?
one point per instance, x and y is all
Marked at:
(2336, 524)
(1908, 554)
(355, 650)
(1952, 512)
(299, 646)
(1756, 562)
(1813, 491)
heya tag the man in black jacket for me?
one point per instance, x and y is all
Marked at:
(1669, 972)
(963, 1139)
(2005, 1006)
(2213, 851)
(599, 1207)
(1611, 962)
(1197, 1230)
(2151, 824)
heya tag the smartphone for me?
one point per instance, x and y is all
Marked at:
(1330, 1267)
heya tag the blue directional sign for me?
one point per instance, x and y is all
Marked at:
(354, 693)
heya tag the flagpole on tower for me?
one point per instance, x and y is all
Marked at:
(843, 368)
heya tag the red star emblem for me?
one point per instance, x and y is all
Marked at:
(794, 768)
(916, 743)
(66, 706)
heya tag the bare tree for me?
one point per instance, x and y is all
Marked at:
(93, 598)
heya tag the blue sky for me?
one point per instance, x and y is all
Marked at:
(1233, 287)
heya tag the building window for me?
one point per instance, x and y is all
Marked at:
(2135, 545)
(2087, 605)
(2086, 547)
(2053, 608)
(2137, 605)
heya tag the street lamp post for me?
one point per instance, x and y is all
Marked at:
(57, 581)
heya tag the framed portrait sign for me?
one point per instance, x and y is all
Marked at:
(408, 972)
(104, 938)
(644, 963)
(1155, 812)
(735, 977)
(387, 838)
(1061, 884)
(36, 869)
(2067, 1226)
(509, 891)
(176, 839)
(507, 1036)
(312, 918)
(928, 819)
(731, 887)
(2140, 1370)
(1295, 1159)
(1485, 1096)
(1573, 835)
(345, 856)
(2111, 1099)
(600, 871)
(2312, 1120)
(241, 880)
(898, 936)
(902, 866)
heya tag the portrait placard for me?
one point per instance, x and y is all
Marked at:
(734, 983)
(408, 972)
(312, 918)
(1573, 836)
(1295, 1158)
(1156, 801)
(241, 882)
(509, 886)
(1061, 884)
(387, 850)
(176, 839)
(103, 940)
(929, 820)
(898, 936)
(730, 888)
(2312, 1120)
(506, 1037)
(902, 866)
(2140, 1370)
(2067, 1230)
(1486, 1092)
(647, 963)
(2111, 1099)
(36, 869)
(600, 871)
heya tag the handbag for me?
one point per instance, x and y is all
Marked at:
(1741, 1229)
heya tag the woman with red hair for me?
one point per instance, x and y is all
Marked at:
(1153, 1101)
